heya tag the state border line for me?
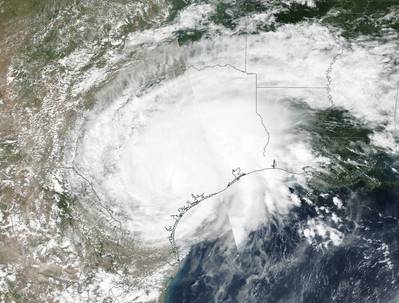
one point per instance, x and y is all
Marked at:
(202, 197)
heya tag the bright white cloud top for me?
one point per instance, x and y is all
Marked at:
(149, 144)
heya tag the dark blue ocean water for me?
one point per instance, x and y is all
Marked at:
(278, 264)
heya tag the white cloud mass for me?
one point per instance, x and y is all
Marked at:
(149, 144)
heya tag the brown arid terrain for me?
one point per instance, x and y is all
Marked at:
(51, 249)
(121, 119)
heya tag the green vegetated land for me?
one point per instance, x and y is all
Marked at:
(65, 208)
(353, 160)
(353, 17)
